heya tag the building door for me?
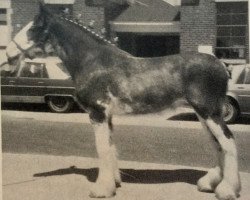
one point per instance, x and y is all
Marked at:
(156, 45)
(143, 45)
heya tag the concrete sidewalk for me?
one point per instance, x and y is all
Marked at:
(43, 177)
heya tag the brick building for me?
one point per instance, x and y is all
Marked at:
(220, 26)
(149, 28)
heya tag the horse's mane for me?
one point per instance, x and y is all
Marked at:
(99, 38)
(88, 30)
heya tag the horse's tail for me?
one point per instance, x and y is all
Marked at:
(206, 82)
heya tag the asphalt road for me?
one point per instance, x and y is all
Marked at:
(170, 145)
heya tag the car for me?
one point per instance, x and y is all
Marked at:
(41, 80)
(238, 95)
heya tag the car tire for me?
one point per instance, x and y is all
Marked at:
(60, 104)
(230, 111)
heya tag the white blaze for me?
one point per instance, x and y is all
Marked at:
(22, 40)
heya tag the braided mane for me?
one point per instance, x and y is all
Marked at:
(88, 30)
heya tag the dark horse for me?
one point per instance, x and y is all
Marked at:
(110, 81)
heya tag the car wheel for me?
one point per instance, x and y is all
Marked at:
(60, 104)
(230, 111)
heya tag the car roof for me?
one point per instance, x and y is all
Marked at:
(44, 60)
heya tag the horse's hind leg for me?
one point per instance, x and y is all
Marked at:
(224, 179)
(209, 182)
(108, 175)
(229, 187)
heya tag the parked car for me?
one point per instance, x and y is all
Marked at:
(41, 80)
(238, 95)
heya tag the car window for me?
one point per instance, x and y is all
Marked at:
(33, 70)
(247, 76)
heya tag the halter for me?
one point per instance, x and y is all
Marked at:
(22, 48)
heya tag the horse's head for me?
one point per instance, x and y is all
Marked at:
(32, 40)
(38, 33)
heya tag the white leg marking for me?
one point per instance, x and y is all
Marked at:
(116, 170)
(105, 184)
(229, 187)
(209, 182)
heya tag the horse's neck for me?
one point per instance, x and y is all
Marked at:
(75, 48)
(78, 49)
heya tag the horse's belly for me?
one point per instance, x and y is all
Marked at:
(143, 103)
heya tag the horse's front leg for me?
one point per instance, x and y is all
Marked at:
(108, 175)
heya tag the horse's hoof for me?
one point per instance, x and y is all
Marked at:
(102, 191)
(209, 182)
(224, 191)
(203, 185)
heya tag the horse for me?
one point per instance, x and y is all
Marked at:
(110, 81)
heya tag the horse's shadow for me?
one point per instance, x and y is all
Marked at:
(143, 176)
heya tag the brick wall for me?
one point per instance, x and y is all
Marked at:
(198, 25)
(23, 12)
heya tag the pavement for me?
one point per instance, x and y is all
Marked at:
(42, 177)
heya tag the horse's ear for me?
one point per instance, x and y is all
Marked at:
(42, 8)
(43, 14)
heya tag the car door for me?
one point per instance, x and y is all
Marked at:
(244, 92)
(8, 86)
(31, 83)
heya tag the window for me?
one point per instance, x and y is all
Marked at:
(33, 70)
(232, 19)
(3, 16)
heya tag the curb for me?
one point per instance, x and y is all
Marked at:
(154, 120)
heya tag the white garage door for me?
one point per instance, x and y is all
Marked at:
(4, 28)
